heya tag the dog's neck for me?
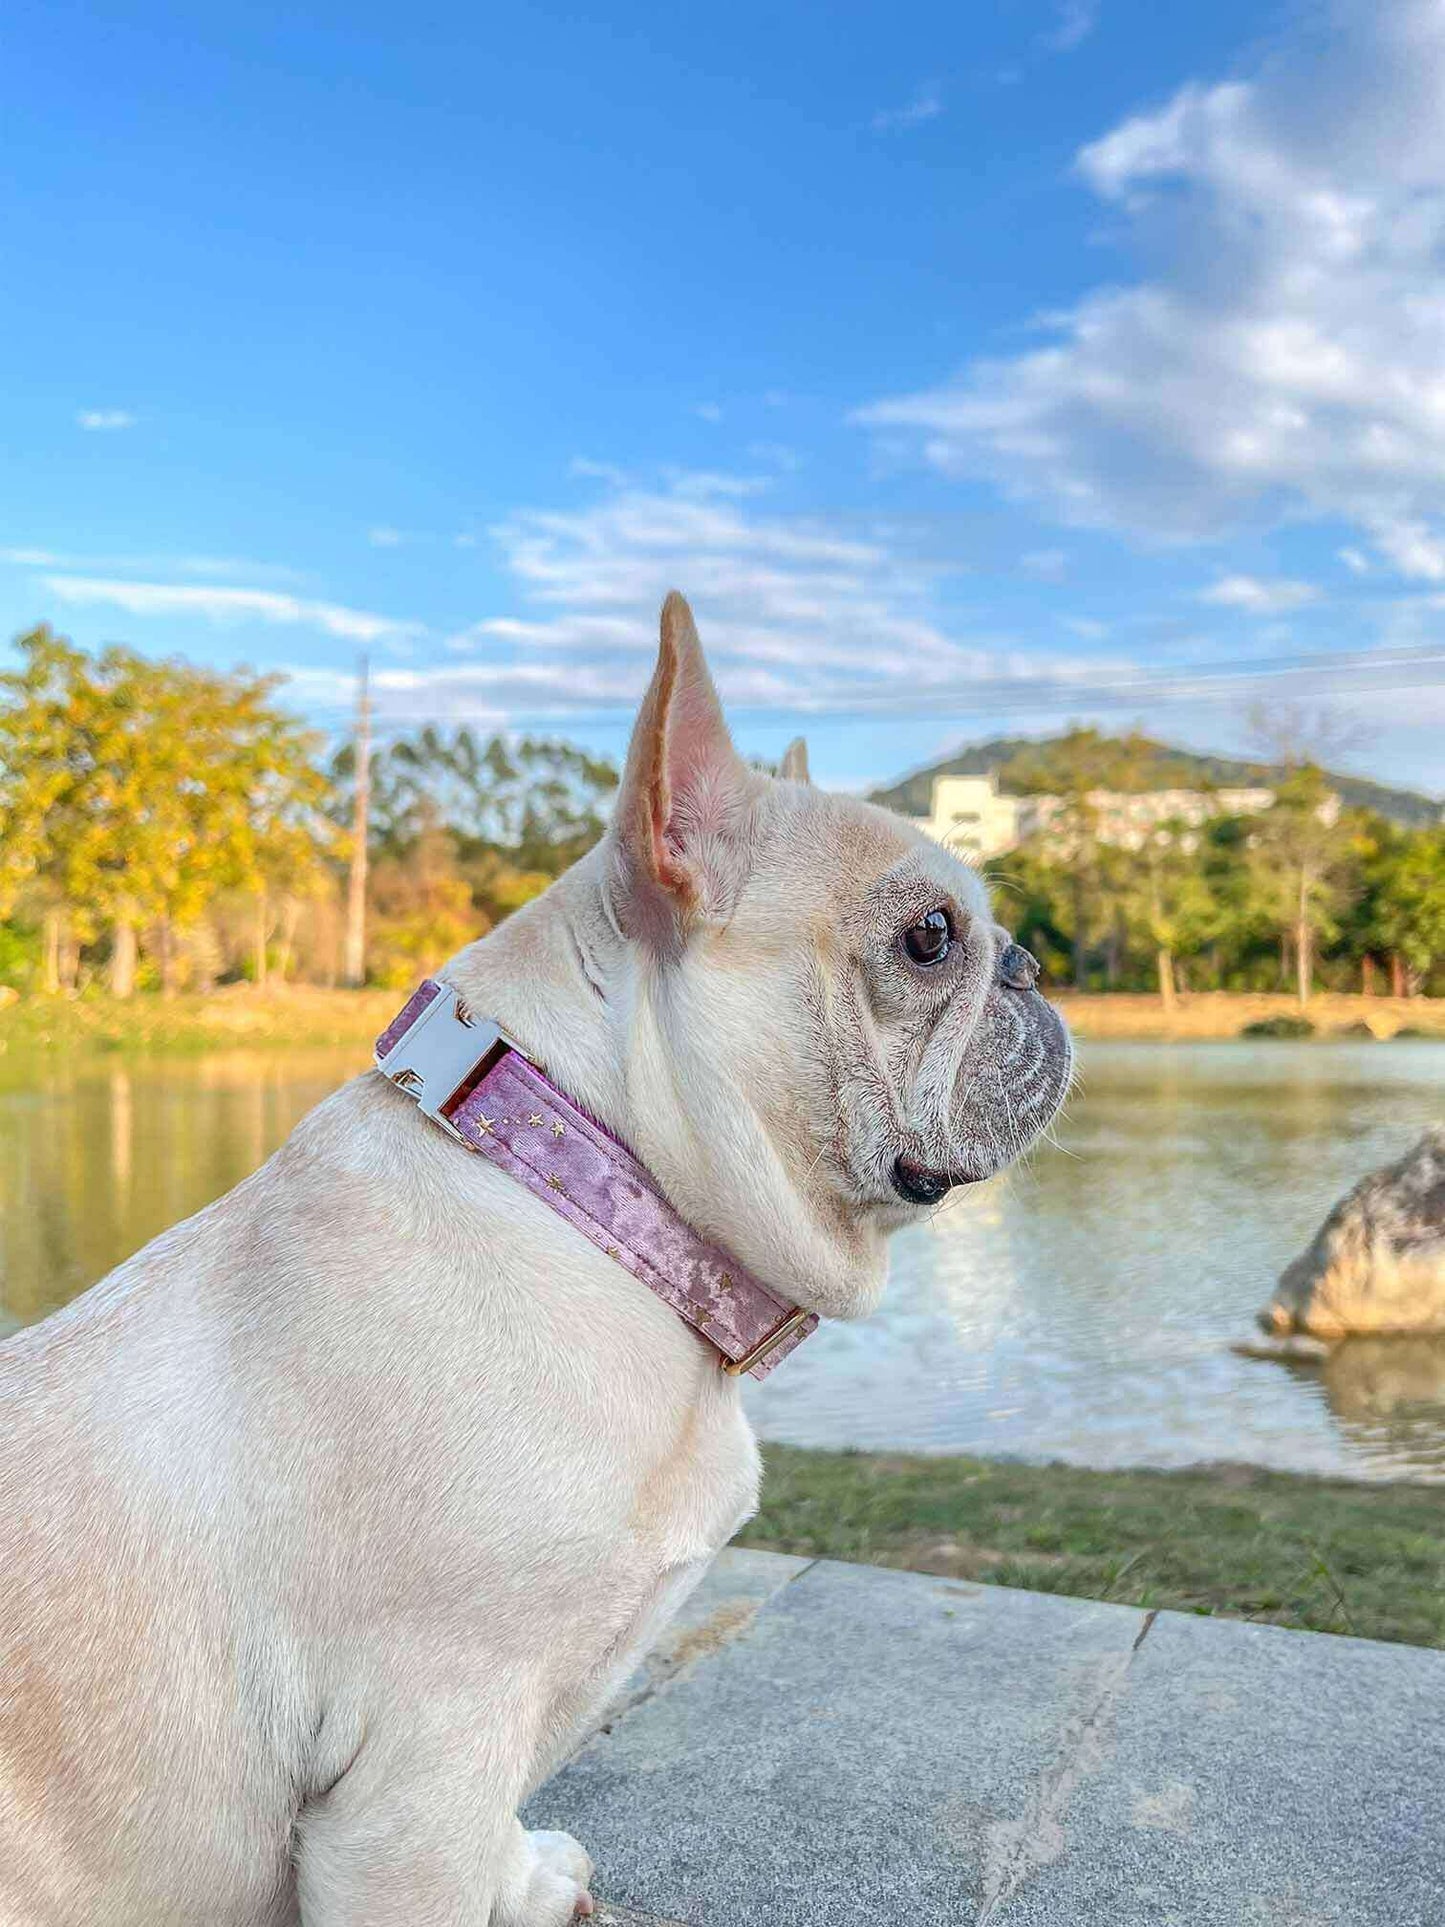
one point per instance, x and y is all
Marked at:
(549, 976)
(572, 991)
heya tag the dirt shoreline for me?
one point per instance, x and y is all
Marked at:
(1225, 1013)
(240, 1016)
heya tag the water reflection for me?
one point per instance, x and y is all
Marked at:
(99, 1154)
(1083, 1307)
(1387, 1394)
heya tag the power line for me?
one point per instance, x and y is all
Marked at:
(1363, 672)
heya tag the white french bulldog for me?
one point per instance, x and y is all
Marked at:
(332, 1516)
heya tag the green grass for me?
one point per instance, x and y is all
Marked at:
(235, 1017)
(1323, 1554)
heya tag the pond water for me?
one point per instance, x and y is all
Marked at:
(1080, 1308)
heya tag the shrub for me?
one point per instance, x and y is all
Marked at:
(1283, 1026)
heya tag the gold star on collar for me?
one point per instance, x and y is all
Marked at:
(536, 1119)
(554, 1183)
(485, 1125)
(559, 1129)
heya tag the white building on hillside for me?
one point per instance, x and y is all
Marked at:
(971, 816)
(1127, 819)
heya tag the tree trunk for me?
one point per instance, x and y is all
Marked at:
(167, 946)
(1080, 943)
(353, 969)
(1166, 977)
(262, 930)
(1303, 947)
(290, 917)
(1397, 974)
(122, 959)
(50, 964)
(1367, 975)
(203, 951)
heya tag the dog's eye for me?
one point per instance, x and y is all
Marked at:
(927, 940)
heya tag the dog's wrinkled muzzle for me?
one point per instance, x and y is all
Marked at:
(1013, 1073)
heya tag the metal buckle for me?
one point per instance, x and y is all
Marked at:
(438, 1053)
(735, 1367)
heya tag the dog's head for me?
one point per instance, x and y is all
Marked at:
(825, 1028)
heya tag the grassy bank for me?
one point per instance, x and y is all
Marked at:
(1224, 1013)
(221, 1020)
(1323, 1554)
(238, 1015)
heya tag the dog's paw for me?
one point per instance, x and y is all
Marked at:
(553, 1890)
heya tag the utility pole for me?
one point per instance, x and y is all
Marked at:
(353, 966)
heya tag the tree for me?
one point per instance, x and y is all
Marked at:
(1172, 901)
(424, 908)
(132, 791)
(1409, 902)
(47, 715)
(1299, 850)
(1074, 769)
(354, 963)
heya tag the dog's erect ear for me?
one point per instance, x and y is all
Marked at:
(795, 762)
(681, 823)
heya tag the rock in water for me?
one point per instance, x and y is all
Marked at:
(1377, 1263)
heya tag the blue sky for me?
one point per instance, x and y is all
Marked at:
(973, 369)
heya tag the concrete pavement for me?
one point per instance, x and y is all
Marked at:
(816, 1742)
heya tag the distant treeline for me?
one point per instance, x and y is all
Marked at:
(1306, 892)
(166, 826)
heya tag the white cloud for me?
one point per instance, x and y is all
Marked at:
(105, 419)
(810, 615)
(799, 613)
(214, 604)
(926, 104)
(384, 537)
(700, 484)
(1074, 21)
(708, 411)
(777, 455)
(1415, 548)
(1048, 565)
(1354, 561)
(259, 573)
(1280, 358)
(591, 471)
(1257, 597)
(805, 615)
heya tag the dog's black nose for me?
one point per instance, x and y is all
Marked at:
(1018, 969)
(918, 1184)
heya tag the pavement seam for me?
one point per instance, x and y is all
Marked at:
(1020, 1849)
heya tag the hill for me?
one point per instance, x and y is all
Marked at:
(1144, 765)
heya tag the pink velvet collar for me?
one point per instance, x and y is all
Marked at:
(473, 1081)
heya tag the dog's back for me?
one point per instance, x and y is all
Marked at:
(134, 1781)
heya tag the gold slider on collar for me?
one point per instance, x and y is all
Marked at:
(735, 1367)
